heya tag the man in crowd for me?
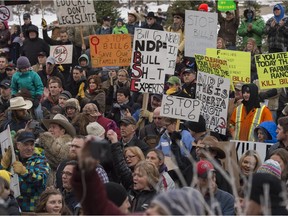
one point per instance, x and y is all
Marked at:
(106, 26)
(5, 92)
(55, 88)
(42, 57)
(32, 169)
(151, 22)
(190, 79)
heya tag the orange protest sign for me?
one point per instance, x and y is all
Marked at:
(110, 50)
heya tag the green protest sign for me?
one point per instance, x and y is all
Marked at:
(226, 5)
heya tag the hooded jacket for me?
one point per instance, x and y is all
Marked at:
(32, 46)
(277, 35)
(257, 31)
(270, 129)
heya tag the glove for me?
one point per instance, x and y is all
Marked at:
(19, 168)
(6, 159)
(44, 23)
(285, 110)
(60, 67)
(81, 91)
(175, 135)
(146, 114)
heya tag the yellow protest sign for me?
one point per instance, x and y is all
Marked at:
(272, 70)
(110, 50)
(239, 63)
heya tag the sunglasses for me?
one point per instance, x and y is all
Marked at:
(149, 18)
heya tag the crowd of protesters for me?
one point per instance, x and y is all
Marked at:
(84, 144)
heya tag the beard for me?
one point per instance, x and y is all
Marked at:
(72, 156)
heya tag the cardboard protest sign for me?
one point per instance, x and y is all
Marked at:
(272, 70)
(243, 146)
(226, 5)
(180, 108)
(62, 53)
(75, 13)
(110, 50)
(213, 92)
(239, 63)
(200, 32)
(6, 142)
(212, 65)
(153, 56)
(6, 13)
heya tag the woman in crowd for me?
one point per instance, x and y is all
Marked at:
(251, 47)
(281, 156)
(156, 157)
(94, 92)
(51, 201)
(249, 163)
(221, 43)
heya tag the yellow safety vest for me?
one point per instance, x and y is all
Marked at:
(254, 124)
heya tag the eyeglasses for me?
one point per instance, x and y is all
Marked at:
(69, 174)
(159, 118)
(177, 17)
(130, 157)
(149, 18)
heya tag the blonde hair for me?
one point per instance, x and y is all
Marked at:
(135, 150)
(150, 170)
(255, 155)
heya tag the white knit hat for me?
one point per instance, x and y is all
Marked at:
(95, 129)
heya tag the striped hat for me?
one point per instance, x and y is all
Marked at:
(271, 167)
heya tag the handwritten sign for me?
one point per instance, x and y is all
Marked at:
(6, 142)
(153, 56)
(110, 50)
(226, 5)
(200, 32)
(180, 108)
(213, 92)
(272, 70)
(243, 146)
(75, 13)
(6, 13)
(239, 63)
(62, 53)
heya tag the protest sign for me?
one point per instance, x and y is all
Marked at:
(239, 63)
(6, 142)
(226, 5)
(6, 13)
(243, 146)
(212, 65)
(272, 70)
(110, 50)
(62, 53)
(153, 56)
(200, 32)
(213, 92)
(180, 108)
(77, 13)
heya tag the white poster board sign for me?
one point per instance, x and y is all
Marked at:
(154, 55)
(75, 13)
(200, 32)
(62, 53)
(6, 13)
(180, 108)
(213, 92)
(6, 141)
(243, 146)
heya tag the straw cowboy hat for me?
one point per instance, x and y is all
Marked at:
(62, 121)
(18, 103)
(135, 14)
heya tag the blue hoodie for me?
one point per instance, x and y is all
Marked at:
(281, 16)
(270, 129)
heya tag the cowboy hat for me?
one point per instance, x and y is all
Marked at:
(62, 121)
(151, 14)
(135, 14)
(210, 143)
(18, 103)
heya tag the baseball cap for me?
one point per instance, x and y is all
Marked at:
(203, 168)
(25, 137)
(26, 16)
(106, 18)
(238, 86)
(5, 83)
(128, 120)
(51, 60)
(42, 54)
(189, 70)
(174, 80)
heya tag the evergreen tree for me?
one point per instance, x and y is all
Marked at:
(106, 8)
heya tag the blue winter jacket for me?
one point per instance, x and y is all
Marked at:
(270, 128)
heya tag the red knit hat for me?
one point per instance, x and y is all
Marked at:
(203, 7)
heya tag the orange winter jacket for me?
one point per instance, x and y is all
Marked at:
(242, 127)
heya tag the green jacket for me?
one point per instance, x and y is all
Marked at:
(120, 30)
(257, 31)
